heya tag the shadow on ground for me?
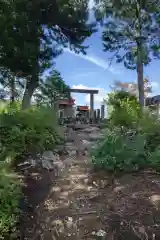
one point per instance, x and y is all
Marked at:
(84, 204)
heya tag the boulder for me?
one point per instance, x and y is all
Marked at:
(48, 159)
(91, 129)
(72, 153)
(49, 155)
(96, 136)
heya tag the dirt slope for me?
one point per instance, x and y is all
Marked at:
(82, 204)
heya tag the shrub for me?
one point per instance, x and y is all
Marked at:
(150, 125)
(133, 142)
(9, 201)
(117, 152)
(126, 110)
(28, 132)
(7, 107)
(22, 134)
(154, 159)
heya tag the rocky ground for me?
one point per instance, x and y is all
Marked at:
(66, 199)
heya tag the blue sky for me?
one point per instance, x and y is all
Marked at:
(93, 71)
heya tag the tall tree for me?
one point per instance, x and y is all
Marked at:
(52, 89)
(34, 32)
(131, 33)
(10, 84)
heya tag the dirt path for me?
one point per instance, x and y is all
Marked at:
(82, 204)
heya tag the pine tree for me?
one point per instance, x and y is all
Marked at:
(131, 32)
(34, 32)
(51, 89)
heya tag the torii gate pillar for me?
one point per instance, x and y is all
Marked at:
(91, 106)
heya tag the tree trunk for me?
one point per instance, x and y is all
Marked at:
(140, 74)
(139, 41)
(12, 89)
(33, 81)
(31, 85)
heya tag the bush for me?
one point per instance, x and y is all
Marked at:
(126, 110)
(134, 140)
(154, 159)
(22, 134)
(120, 153)
(28, 132)
(9, 201)
(150, 125)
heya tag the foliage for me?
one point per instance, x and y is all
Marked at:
(51, 89)
(119, 153)
(131, 32)
(22, 134)
(154, 159)
(9, 199)
(125, 109)
(11, 85)
(49, 26)
(150, 125)
(134, 138)
(28, 132)
(117, 97)
(6, 107)
(61, 24)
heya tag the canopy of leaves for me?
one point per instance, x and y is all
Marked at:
(128, 22)
(125, 108)
(51, 89)
(11, 85)
(117, 97)
(32, 30)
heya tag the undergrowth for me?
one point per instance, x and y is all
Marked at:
(133, 139)
(22, 134)
(10, 193)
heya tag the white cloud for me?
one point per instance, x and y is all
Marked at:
(98, 98)
(155, 85)
(91, 4)
(95, 60)
(155, 88)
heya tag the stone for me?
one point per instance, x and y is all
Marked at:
(91, 129)
(82, 136)
(70, 147)
(69, 222)
(96, 136)
(68, 162)
(58, 225)
(48, 160)
(33, 162)
(59, 168)
(101, 233)
(47, 164)
(48, 154)
(87, 143)
(72, 153)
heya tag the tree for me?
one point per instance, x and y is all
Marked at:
(11, 85)
(52, 89)
(49, 26)
(132, 87)
(131, 33)
(125, 108)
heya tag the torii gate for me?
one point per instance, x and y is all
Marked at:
(87, 91)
